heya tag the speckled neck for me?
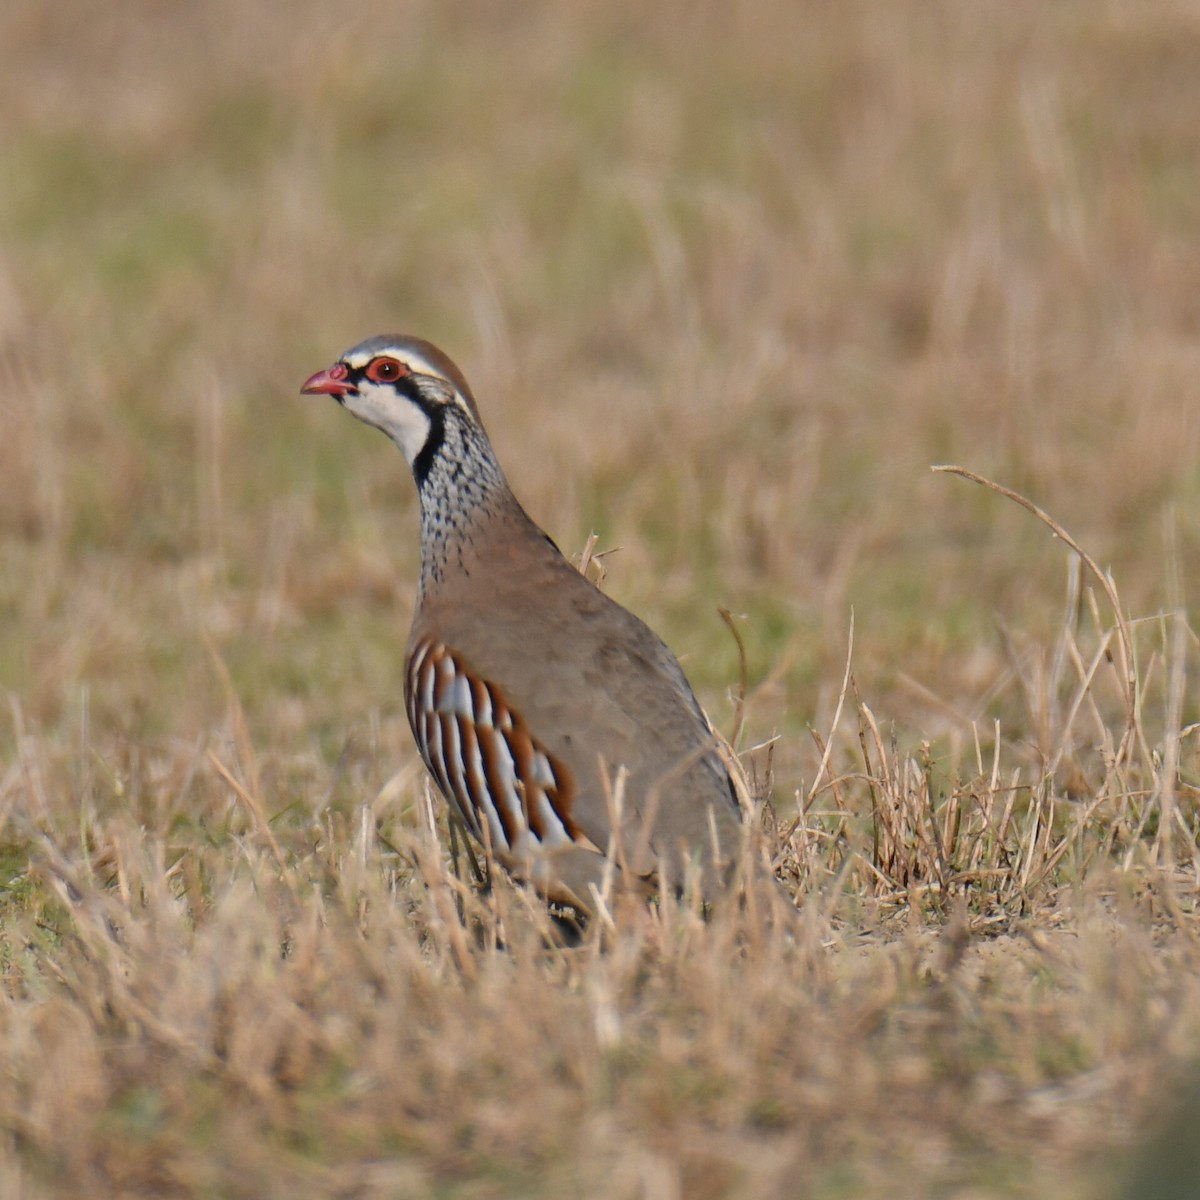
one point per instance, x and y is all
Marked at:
(463, 492)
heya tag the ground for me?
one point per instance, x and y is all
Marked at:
(727, 280)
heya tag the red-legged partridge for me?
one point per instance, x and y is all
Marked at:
(528, 689)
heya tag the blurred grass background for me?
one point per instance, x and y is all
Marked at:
(726, 279)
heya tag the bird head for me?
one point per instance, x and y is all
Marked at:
(405, 387)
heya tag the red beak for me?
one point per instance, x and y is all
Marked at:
(332, 382)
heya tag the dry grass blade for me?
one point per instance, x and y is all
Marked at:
(1125, 644)
(262, 822)
(827, 746)
(739, 708)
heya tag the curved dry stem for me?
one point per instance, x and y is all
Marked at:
(1124, 643)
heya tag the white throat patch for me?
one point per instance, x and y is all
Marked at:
(401, 419)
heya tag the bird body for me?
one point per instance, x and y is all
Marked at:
(559, 726)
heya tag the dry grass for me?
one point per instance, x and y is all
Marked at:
(728, 280)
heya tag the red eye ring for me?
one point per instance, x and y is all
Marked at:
(385, 370)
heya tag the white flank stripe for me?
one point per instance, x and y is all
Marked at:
(427, 680)
(437, 765)
(413, 689)
(418, 658)
(483, 715)
(451, 756)
(556, 831)
(454, 762)
(543, 773)
(504, 790)
(433, 749)
(457, 698)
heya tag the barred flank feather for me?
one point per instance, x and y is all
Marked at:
(484, 757)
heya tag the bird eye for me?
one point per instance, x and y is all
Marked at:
(385, 370)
